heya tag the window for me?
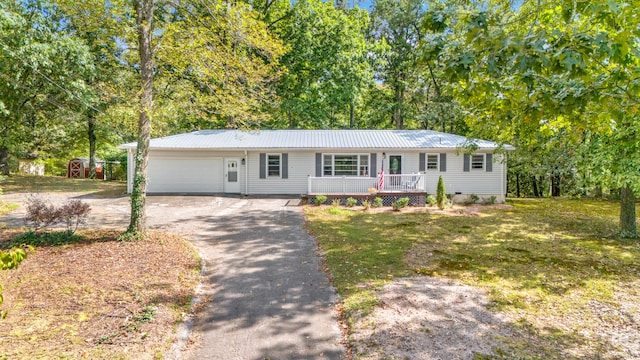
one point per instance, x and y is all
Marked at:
(477, 161)
(432, 162)
(345, 165)
(273, 165)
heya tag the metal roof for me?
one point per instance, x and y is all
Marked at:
(314, 139)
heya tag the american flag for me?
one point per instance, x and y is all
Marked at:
(381, 179)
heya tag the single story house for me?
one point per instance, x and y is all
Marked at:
(328, 162)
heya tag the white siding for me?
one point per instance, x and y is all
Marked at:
(301, 165)
(186, 171)
(479, 182)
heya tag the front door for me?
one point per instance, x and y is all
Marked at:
(395, 168)
(231, 176)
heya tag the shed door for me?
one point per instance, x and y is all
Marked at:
(177, 175)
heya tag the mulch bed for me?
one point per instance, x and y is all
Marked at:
(98, 297)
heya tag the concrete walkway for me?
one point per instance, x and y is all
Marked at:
(266, 297)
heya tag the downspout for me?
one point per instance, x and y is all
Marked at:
(502, 176)
(130, 173)
(246, 173)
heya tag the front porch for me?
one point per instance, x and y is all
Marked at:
(369, 186)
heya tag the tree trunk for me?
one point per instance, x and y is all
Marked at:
(555, 185)
(352, 119)
(92, 145)
(4, 161)
(534, 183)
(517, 185)
(398, 107)
(597, 192)
(138, 224)
(628, 213)
(291, 123)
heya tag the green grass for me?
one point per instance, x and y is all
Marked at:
(6, 207)
(29, 183)
(543, 261)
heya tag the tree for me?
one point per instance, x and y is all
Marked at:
(41, 72)
(570, 71)
(326, 71)
(441, 196)
(216, 67)
(395, 27)
(144, 22)
(98, 25)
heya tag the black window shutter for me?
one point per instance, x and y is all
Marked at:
(467, 162)
(421, 163)
(373, 161)
(318, 164)
(285, 166)
(489, 158)
(443, 162)
(263, 166)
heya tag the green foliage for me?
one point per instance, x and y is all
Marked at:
(10, 259)
(335, 203)
(351, 202)
(366, 204)
(53, 238)
(377, 202)
(431, 200)
(473, 198)
(325, 68)
(400, 203)
(559, 83)
(441, 199)
(320, 199)
(42, 70)
(491, 200)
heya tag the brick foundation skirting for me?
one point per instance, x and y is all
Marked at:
(415, 199)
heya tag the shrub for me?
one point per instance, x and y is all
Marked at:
(41, 214)
(366, 204)
(492, 200)
(73, 214)
(400, 203)
(377, 202)
(335, 203)
(473, 198)
(320, 199)
(441, 199)
(351, 202)
(431, 200)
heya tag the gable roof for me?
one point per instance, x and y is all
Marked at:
(314, 139)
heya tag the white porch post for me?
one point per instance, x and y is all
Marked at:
(308, 184)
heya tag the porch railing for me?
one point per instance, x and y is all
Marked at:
(347, 185)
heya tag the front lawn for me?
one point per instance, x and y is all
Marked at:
(17, 183)
(554, 267)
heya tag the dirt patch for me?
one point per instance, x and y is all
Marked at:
(427, 318)
(98, 298)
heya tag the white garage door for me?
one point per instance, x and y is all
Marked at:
(185, 175)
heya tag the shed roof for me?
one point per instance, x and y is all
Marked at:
(314, 139)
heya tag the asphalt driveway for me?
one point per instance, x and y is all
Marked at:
(266, 297)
